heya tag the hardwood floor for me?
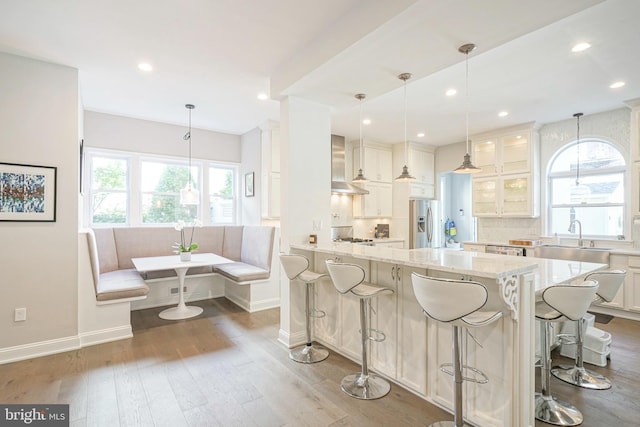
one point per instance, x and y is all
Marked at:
(225, 368)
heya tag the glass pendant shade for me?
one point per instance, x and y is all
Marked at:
(360, 178)
(405, 176)
(189, 195)
(467, 166)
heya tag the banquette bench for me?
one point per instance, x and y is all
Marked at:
(247, 280)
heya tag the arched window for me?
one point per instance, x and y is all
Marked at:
(587, 184)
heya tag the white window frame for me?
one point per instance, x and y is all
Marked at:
(622, 169)
(134, 185)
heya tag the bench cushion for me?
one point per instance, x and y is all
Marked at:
(121, 284)
(106, 246)
(242, 272)
(232, 245)
(257, 244)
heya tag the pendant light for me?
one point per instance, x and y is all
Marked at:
(405, 176)
(360, 179)
(579, 192)
(467, 166)
(189, 195)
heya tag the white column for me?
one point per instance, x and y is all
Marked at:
(305, 162)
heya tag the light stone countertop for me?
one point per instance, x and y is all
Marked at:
(470, 263)
(547, 271)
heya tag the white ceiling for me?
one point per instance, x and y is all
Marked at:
(219, 54)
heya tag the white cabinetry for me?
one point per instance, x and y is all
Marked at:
(508, 195)
(377, 161)
(392, 244)
(420, 161)
(407, 331)
(632, 285)
(508, 184)
(474, 247)
(377, 168)
(378, 203)
(270, 175)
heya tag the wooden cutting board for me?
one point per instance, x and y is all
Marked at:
(525, 242)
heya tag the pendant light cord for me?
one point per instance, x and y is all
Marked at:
(467, 97)
(406, 145)
(187, 137)
(578, 148)
(361, 141)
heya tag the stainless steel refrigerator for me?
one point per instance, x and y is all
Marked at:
(426, 229)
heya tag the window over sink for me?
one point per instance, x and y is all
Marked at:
(597, 198)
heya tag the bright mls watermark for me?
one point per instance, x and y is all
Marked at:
(34, 415)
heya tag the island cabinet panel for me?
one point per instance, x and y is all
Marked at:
(384, 320)
(412, 336)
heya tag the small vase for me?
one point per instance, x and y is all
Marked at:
(185, 256)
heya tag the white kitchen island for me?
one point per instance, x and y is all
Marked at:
(415, 346)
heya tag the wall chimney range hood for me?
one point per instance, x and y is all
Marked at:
(338, 182)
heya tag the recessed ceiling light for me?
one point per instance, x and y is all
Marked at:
(451, 92)
(421, 134)
(263, 96)
(617, 85)
(366, 121)
(144, 66)
(580, 47)
(503, 114)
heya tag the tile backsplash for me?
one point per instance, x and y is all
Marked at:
(501, 230)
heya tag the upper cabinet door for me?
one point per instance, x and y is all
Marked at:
(377, 162)
(485, 156)
(515, 153)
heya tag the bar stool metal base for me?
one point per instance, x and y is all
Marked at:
(366, 387)
(553, 411)
(309, 353)
(581, 377)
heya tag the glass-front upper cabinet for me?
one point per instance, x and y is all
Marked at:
(504, 152)
(508, 185)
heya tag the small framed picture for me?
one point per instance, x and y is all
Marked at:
(248, 185)
(27, 192)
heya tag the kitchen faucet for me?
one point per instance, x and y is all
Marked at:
(572, 229)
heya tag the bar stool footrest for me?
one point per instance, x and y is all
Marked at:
(445, 367)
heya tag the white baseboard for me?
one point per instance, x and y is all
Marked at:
(37, 349)
(292, 340)
(105, 335)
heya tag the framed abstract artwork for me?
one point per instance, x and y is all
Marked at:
(27, 192)
(248, 185)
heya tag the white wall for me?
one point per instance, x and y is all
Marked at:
(144, 136)
(39, 122)
(251, 162)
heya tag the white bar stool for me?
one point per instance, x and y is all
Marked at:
(608, 284)
(559, 303)
(441, 300)
(297, 267)
(350, 278)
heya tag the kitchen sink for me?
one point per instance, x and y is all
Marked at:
(573, 253)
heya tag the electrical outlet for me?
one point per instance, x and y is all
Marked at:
(20, 315)
(174, 291)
